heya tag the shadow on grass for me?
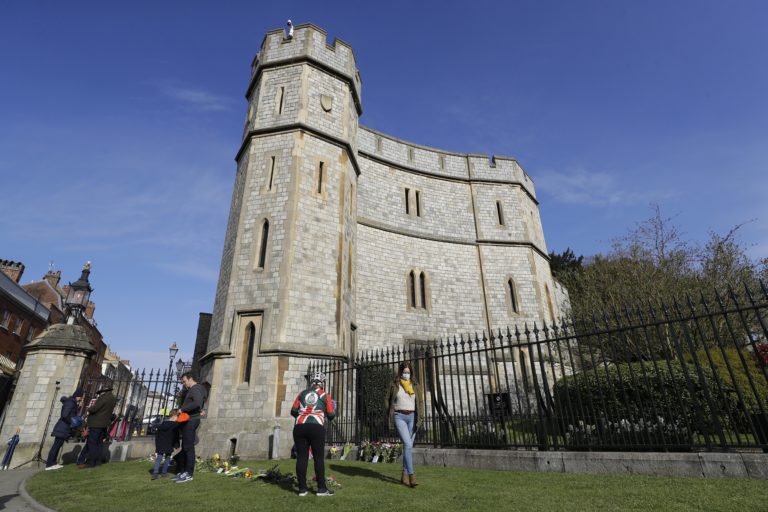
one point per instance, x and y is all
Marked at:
(363, 472)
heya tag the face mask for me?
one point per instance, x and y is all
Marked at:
(405, 376)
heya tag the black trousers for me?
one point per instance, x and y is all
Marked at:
(93, 445)
(54, 453)
(305, 436)
(188, 430)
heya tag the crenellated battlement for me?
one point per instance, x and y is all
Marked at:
(309, 42)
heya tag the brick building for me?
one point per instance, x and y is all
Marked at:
(22, 317)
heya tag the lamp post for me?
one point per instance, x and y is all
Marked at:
(78, 295)
(173, 350)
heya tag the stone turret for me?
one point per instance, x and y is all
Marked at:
(285, 290)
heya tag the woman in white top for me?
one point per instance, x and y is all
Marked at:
(405, 403)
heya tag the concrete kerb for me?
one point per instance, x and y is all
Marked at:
(708, 465)
(29, 499)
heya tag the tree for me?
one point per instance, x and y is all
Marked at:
(654, 264)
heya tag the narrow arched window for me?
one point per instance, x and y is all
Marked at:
(264, 239)
(423, 290)
(500, 212)
(512, 295)
(271, 172)
(249, 340)
(418, 203)
(280, 97)
(412, 288)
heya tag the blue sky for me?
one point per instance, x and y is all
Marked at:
(119, 123)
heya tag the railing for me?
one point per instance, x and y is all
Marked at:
(143, 399)
(683, 376)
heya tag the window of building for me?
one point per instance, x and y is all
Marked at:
(271, 172)
(6, 319)
(500, 212)
(280, 96)
(512, 295)
(249, 340)
(418, 289)
(418, 203)
(17, 328)
(410, 154)
(30, 333)
(320, 170)
(378, 144)
(263, 244)
(407, 201)
(441, 161)
(423, 290)
(412, 289)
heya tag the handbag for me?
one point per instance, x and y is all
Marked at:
(76, 421)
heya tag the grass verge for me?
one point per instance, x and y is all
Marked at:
(370, 487)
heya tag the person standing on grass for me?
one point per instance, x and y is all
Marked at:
(62, 430)
(405, 403)
(192, 405)
(311, 408)
(166, 440)
(99, 418)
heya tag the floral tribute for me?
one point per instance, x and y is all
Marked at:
(229, 468)
(380, 452)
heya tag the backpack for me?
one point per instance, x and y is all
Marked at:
(76, 421)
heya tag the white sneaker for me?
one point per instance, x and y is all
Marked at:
(55, 466)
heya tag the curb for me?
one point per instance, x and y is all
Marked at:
(29, 499)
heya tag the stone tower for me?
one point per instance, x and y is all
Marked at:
(285, 291)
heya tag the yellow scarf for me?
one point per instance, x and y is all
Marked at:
(407, 386)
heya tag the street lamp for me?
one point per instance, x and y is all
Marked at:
(173, 350)
(78, 295)
(179, 368)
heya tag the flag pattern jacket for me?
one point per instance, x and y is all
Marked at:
(313, 406)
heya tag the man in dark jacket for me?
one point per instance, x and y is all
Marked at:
(62, 430)
(193, 405)
(99, 419)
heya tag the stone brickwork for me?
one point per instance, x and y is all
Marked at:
(329, 219)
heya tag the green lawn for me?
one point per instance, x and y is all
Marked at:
(126, 487)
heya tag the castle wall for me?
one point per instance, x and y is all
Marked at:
(333, 274)
(455, 296)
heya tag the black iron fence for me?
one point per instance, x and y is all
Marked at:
(144, 398)
(683, 376)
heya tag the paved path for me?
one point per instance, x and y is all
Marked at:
(11, 499)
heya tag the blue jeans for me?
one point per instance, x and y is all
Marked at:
(159, 460)
(404, 423)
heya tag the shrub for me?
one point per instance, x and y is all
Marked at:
(738, 377)
(637, 403)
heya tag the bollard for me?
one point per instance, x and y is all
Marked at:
(276, 442)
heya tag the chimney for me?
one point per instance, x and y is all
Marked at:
(89, 309)
(13, 269)
(53, 278)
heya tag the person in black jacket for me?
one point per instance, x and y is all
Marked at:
(166, 439)
(99, 418)
(62, 430)
(193, 405)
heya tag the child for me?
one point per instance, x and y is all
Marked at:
(166, 439)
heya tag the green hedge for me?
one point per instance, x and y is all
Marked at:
(645, 398)
(738, 376)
